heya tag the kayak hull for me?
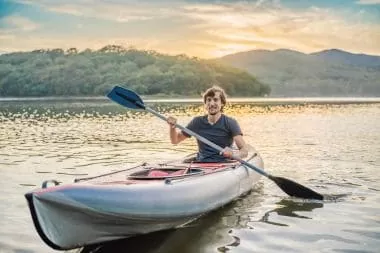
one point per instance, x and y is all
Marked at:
(99, 210)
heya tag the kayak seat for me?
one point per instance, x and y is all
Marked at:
(162, 173)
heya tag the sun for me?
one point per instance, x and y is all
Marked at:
(221, 51)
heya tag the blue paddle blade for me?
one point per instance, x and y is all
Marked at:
(126, 98)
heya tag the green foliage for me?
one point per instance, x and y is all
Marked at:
(72, 73)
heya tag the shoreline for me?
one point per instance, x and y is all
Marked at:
(236, 100)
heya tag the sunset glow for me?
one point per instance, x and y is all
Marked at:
(204, 29)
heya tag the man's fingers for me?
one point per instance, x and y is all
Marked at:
(226, 152)
(172, 121)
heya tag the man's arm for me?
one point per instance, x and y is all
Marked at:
(243, 149)
(175, 135)
(242, 146)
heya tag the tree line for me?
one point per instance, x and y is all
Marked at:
(58, 72)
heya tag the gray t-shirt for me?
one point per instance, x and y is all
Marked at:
(221, 133)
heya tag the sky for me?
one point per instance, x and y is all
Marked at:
(203, 28)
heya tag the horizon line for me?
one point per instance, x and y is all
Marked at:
(161, 53)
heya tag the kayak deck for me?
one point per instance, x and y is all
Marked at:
(149, 173)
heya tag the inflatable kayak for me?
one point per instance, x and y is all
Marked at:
(135, 201)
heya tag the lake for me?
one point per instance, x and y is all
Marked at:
(333, 148)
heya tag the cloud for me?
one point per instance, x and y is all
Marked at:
(21, 23)
(249, 26)
(368, 2)
(118, 11)
(11, 43)
(208, 30)
(6, 36)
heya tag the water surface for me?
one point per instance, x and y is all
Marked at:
(331, 148)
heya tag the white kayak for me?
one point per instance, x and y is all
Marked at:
(131, 202)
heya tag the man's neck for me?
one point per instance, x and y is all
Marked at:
(212, 119)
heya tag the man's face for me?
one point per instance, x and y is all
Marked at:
(213, 104)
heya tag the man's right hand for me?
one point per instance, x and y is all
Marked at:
(172, 121)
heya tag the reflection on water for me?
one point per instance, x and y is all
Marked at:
(334, 149)
(290, 208)
(217, 228)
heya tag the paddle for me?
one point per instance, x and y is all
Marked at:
(131, 100)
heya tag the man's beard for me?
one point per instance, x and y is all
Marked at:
(213, 111)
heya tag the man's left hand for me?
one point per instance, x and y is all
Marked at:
(228, 152)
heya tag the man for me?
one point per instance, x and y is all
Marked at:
(214, 126)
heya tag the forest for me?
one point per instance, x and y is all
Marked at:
(58, 72)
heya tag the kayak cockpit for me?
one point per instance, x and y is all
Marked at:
(164, 173)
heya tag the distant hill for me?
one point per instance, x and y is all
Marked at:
(55, 72)
(327, 73)
(339, 56)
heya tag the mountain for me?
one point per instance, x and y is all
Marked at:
(339, 56)
(327, 73)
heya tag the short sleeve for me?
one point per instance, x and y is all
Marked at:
(191, 126)
(234, 127)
